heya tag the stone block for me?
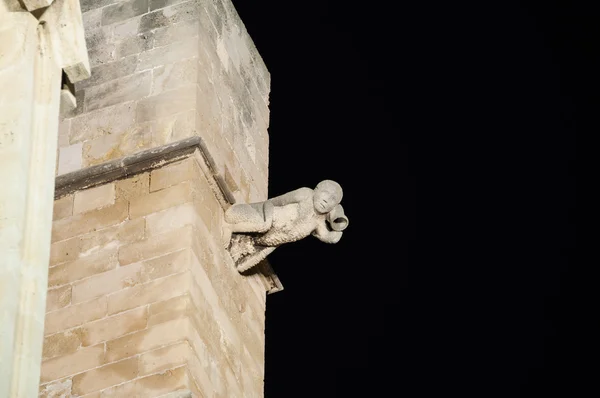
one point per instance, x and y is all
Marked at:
(135, 45)
(114, 146)
(177, 75)
(173, 128)
(92, 19)
(177, 32)
(125, 29)
(114, 120)
(159, 200)
(168, 54)
(63, 207)
(171, 175)
(156, 4)
(58, 298)
(70, 158)
(166, 103)
(86, 245)
(94, 198)
(58, 388)
(101, 54)
(62, 343)
(123, 10)
(165, 382)
(164, 358)
(95, 263)
(114, 326)
(87, 5)
(75, 315)
(133, 187)
(128, 276)
(156, 290)
(105, 376)
(80, 360)
(171, 218)
(167, 310)
(80, 224)
(146, 340)
(170, 15)
(125, 89)
(124, 66)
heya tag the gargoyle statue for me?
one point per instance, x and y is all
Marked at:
(256, 229)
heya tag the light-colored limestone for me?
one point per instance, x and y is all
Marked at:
(80, 224)
(80, 360)
(75, 315)
(105, 376)
(94, 198)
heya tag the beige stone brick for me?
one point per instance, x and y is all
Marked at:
(106, 121)
(83, 359)
(166, 103)
(168, 54)
(62, 343)
(123, 10)
(160, 200)
(171, 218)
(174, 128)
(171, 174)
(125, 64)
(90, 243)
(58, 388)
(70, 158)
(176, 32)
(154, 385)
(92, 264)
(146, 340)
(155, 246)
(113, 146)
(156, 290)
(75, 315)
(165, 382)
(132, 187)
(101, 54)
(63, 207)
(94, 198)
(130, 275)
(80, 224)
(170, 15)
(164, 358)
(114, 326)
(105, 376)
(173, 76)
(117, 91)
(163, 311)
(58, 298)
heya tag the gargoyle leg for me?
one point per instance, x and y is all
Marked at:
(255, 258)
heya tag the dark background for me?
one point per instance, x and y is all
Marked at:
(451, 127)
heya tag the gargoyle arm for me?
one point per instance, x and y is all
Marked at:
(295, 196)
(325, 235)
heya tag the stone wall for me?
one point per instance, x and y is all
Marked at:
(164, 70)
(143, 298)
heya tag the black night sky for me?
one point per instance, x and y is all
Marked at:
(452, 129)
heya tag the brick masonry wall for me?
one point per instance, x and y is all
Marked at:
(143, 298)
(164, 70)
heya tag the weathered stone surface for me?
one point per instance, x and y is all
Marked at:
(133, 187)
(166, 103)
(135, 44)
(172, 76)
(89, 264)
(177, 32)
(170, 15)
(75, 315)
(105, 376)
(114, 146)
(70, 158)
(80, 360)
(114, 326)
(123, 10)
(114, 120)
(112, 70)
(62, 343)
(117, 91)
(171, 175)
(80, 224)
(63, 207)
(94, 198)
(160, 200)
(168, 54)
(87, 5)
(174, 128)
(58, 298)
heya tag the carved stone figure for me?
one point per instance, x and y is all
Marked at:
(259, 228)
